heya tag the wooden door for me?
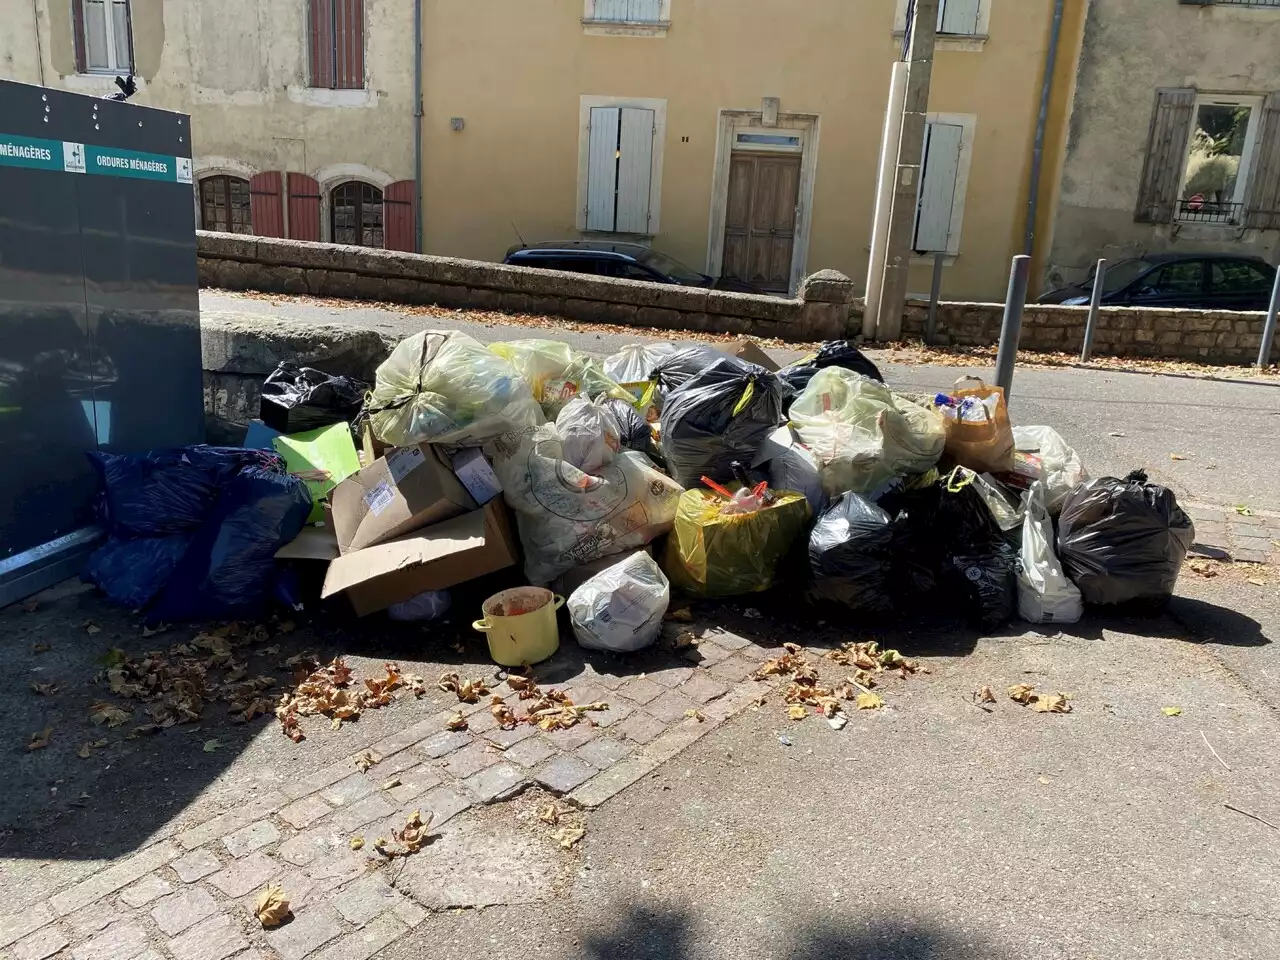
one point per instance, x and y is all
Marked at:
(760, 223)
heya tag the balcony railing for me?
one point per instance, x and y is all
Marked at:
(628, 11)
(1196, 210)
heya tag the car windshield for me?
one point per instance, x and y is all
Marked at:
(672, 268)
(1122, 273)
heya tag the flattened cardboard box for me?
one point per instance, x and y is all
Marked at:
(751, 352)
(409, 488)
(316, 541)
(435, 558)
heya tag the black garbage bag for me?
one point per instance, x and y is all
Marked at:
(167, 491)
(721, 415)
(228, 570)
(674, 370)
(636, 433)
(833, 353)
(1123, 540)
(988, 580)
(295, 399)
(132, 571)
(849, 555)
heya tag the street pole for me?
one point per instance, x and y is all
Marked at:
(889, 141)
(1011, 328)
(1269, 329)
(906, 185)
(1091, 327)
(935, 294)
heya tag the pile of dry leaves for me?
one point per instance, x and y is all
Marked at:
(869, 663)
(547, 709)
(325, 691)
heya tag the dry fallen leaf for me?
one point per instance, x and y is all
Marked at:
(40, 740)
(695, 715)
(1176, 456)
(680, 615)
(391, 782)
(355, 843)
(1050, 703)
(870, 701)
(272, 907)
(568, 837)
(409, 839)
(1243, 510)
(1021, 692)
(40, 648)
(105, 712)
(44, 689)
(549, 813)
(797, 711)
(456, 722)
(1171, 711)
(84, 751)
(366, 760)
(91, 628)
(211, 746)
(1252, 580)
(984, 694)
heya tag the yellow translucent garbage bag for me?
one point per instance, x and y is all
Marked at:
(556, 373)
(713, 554)
(445, 387)
(863, 433)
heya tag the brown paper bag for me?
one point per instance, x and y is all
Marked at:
(986, 446)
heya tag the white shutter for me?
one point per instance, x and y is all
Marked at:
(97, 47)
(643, 11)
(635, 170)
(937, 197)
(959, 17)
(602, 169)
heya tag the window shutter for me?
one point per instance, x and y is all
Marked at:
(320, 27)
(348, 23)
(265, 205)
(1166, 152)
(77, 27)
(635, 170)
(304, 207)
(1262, 210)
(959, 17)
(400, 216)
(128, 28)
(602, 168)
(938, 187)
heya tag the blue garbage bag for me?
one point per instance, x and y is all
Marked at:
(132, 571)
(229, 569)
(164, 492)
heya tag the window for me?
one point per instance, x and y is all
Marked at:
(225, 205)
(103, 39)
(1217, 163)
(1175, 280)
(944, 176)
(1238, 276)
(645, 18)
(620, 169)
(336, 44)
(355, 214)
(959, 21)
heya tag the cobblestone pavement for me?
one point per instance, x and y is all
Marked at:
(189, 895)
(1235, 533)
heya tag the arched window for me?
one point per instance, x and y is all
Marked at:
(224, 205)
(355, 214)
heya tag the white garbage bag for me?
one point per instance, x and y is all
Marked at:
(863, 432)
(444, 387)
(633, 365)
(1045, 593)
(1043, 454)
(621, 609)
(590, 433)
(568, 517)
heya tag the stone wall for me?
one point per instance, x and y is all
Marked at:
(1203, 336)
(820, 312)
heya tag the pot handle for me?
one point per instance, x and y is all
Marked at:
(559, 601)
(484, 626)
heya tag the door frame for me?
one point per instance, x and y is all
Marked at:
(730, 124)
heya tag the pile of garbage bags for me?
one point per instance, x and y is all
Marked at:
(818, 478)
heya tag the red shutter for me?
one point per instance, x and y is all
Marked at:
(400, 216)
(265, 204)
(304, 207)
(349, 42)
(320, 27)
(77, 28)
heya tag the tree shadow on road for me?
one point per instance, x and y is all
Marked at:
(672, 935)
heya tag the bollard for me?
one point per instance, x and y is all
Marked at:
(1099, 277)
(1269, 328)
(935, 294)
(1011, 328)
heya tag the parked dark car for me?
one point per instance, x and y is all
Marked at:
(1204, 281)
(628, 261)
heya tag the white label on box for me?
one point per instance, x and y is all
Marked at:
(476, 475)
(402, 462)
(379, 498)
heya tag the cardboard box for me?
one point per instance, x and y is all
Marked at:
(436, 558)
(316, 541)
(409, 488)
(476, 474)
(751, 352)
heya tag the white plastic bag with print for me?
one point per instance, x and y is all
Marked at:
(444, 387)
(1042, 452)
(590, 434)
(863, 433)
(621, 609)
(1045, 593)
(568, 517)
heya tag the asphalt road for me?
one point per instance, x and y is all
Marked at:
(1229, 433)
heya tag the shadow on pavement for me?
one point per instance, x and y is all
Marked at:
(670, 935)
(1209, 623)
